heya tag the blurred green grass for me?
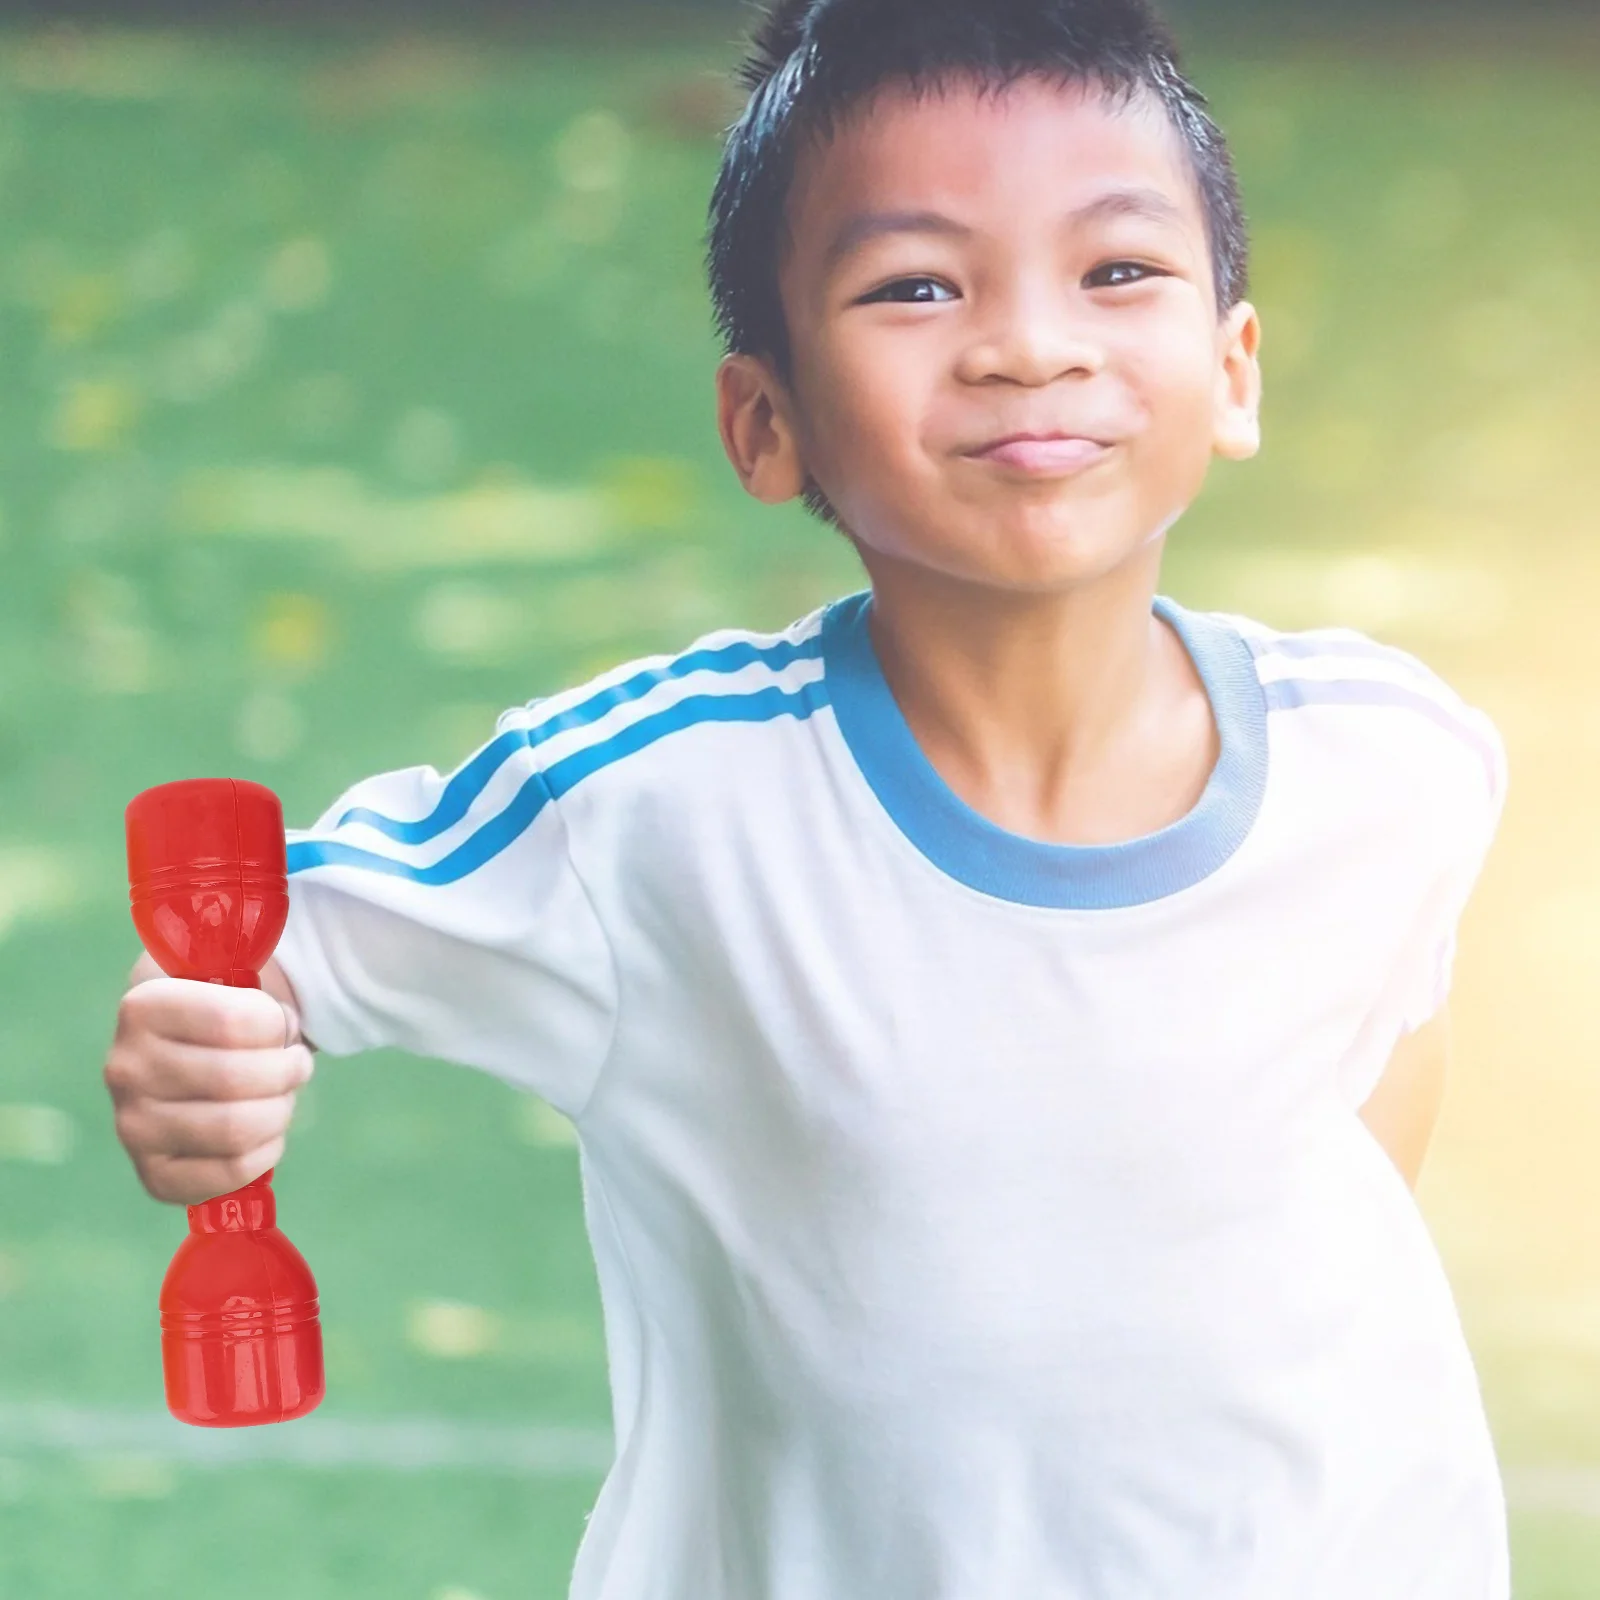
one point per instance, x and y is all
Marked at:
(354, 392)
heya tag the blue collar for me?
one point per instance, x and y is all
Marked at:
(1011, 866)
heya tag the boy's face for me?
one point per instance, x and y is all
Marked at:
(916, 347)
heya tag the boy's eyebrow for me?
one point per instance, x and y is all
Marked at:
(856, 231)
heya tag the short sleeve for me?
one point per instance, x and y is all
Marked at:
(444, 916)
(1434, 950)
(1464, 817)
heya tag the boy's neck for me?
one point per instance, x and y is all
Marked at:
(1075, 718)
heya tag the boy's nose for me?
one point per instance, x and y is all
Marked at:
(1033, 337)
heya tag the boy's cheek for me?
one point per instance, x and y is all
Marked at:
(1164, 469)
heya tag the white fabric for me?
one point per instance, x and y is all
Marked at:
(950, 1247)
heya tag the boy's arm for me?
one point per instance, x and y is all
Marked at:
(1402, 1110)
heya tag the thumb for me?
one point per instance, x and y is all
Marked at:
(291, 1023)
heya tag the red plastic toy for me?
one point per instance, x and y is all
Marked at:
(240, 1338)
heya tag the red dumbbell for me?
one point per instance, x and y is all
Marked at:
(240, 1338)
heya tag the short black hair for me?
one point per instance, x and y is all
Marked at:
(811, 61)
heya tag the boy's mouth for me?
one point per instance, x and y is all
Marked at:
(1060, 455)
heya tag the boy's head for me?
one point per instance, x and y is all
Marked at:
(1030, 292)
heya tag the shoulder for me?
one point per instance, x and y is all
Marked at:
(731, 677)
(1353, 693)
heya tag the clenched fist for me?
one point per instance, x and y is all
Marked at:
(204, 1079)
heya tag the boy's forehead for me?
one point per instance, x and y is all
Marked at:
(1038, 146)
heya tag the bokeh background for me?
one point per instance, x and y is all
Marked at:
(355, 384)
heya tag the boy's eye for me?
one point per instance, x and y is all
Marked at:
(1124, 266)
(895, 293)
(887, 292)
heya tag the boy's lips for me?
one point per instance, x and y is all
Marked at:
(1057, 456)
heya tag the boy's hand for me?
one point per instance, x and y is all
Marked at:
(204, 1079)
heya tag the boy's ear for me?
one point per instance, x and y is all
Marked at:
(1237, 429)
(755, 419)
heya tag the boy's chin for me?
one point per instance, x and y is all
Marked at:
(1027, 565)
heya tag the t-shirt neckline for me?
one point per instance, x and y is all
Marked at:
(1010, 866)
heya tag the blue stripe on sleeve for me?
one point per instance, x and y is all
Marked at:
(1288, 693)
(471, 780)
(763, 705)
(486, 843)
(1306, 646)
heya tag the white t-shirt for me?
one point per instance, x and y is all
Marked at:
(975, 1218)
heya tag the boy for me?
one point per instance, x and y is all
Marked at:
(1002, 1012)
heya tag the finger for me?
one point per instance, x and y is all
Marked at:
(276, 983)
(144, 969)
(291, 1023)
(202, 1129)
(179, 1071)
(186, 1180)
(204, 1013)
